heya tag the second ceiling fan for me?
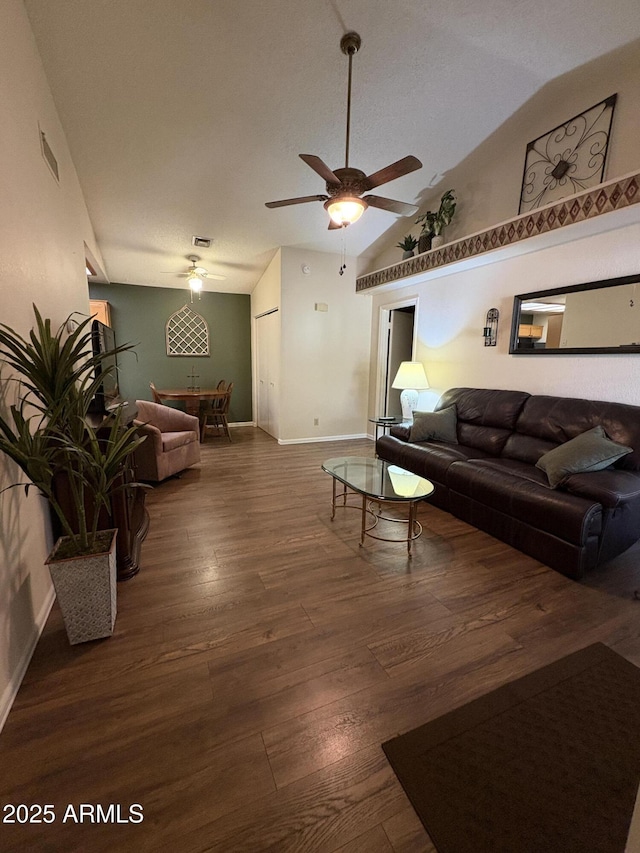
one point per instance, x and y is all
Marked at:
(344, 200)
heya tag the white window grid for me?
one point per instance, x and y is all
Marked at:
(187, 333)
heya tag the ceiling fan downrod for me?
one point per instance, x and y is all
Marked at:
(349, 44)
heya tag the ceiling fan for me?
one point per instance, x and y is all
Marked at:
(195, 275)
(345, 202)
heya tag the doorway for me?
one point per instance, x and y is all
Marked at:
(397, 344)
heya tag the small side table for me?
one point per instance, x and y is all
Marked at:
(383, 424)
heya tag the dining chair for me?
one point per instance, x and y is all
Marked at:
(207, 405)
(154, 393)
(216, 415)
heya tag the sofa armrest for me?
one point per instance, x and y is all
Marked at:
(400, 431)
(166, 418)
(610, 488)
(153, 434)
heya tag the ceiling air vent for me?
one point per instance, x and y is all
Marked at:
(47, 153)
(201, 242)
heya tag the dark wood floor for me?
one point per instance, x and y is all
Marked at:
(261, 657)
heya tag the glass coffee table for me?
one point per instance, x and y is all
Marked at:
(377, 482)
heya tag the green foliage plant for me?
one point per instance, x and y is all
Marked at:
(433, 223)
(445, 212)
(427, 223)
(47, 433)
(407, 243)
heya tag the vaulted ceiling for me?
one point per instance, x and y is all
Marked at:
(185, 116)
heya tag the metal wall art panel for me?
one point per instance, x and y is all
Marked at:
(568, 159)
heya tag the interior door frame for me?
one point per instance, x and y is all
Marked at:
(383, 343)
(255, 360)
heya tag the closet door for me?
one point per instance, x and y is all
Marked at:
(268, 366)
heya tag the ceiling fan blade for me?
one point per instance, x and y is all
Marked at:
(215, 276)
(333, 225)
(395, 170)
(320, 167)
(391, 204)
(302, 200)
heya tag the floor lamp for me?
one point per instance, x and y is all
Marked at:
(410, 378)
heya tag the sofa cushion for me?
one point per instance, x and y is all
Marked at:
(434, 464)
(558, 419)
(526, 448)
(590, 451)
(434, 426)
(171, 440)
(486, 416)
(519, 491)
(485, 406)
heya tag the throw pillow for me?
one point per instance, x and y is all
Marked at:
(590, 451)
(436, 426)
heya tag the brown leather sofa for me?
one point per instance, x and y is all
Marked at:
(490, 479)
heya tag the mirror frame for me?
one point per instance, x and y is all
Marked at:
(574, 288)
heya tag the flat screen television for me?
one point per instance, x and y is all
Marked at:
(103, 341)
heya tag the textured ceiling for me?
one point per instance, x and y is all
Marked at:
(185, 116)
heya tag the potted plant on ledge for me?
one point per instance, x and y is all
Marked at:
(427, 232)
(443, 217)
(407, 244)
(48, 436)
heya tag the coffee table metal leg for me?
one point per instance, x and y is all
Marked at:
(412, 521)
(364, 516)
(335, 496)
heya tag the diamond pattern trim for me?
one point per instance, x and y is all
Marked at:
(595, 202)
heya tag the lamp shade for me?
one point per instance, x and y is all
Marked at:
(411, 375)
(345, 210)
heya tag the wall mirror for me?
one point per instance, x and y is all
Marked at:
(597, 317)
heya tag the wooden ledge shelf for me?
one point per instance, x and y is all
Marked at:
(606, 198)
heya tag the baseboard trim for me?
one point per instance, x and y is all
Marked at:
(243, 423)
(322, 438)
(11, 690)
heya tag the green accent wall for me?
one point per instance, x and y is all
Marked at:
(139, 315)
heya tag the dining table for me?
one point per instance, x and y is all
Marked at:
(191, 397)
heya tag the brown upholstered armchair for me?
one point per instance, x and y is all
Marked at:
(173, 441)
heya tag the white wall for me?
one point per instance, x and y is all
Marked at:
(43, 228)
(488, 182)
(453, 301)
(452, 310)
(325, 354)
(266, 294)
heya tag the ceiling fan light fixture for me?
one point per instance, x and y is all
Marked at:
(345, 210)
(346, 185)
(194, 281)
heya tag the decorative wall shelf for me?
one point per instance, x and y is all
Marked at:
(605, 198)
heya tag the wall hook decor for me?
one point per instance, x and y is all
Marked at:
(490, 331)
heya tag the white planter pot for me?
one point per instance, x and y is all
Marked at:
(86, 592)
(437, 240)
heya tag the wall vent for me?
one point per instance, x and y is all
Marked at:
(201, 242)
(49, 157)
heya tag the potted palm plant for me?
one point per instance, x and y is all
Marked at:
(407, 244)
(48, 436)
